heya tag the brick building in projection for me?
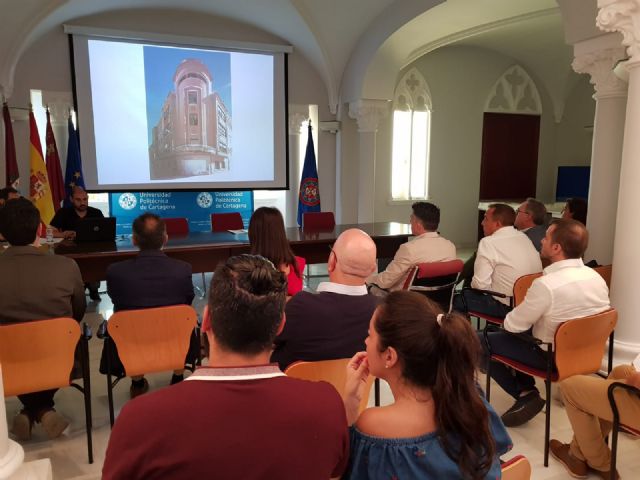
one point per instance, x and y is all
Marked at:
(193, 134)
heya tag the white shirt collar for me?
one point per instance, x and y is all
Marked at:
(570, 262)
(342, 289)
(427, 235)
(504, 231)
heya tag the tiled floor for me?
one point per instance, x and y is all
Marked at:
(68, 454)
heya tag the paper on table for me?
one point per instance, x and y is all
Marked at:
(43, 240)
(238, 232)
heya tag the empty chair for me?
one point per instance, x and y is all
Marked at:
(221, 222)
(318, 221)
(150, 340)
(330, 371)
(616, 422)
(436, 280)
(578, 349)
(176, 226)
(39, 355)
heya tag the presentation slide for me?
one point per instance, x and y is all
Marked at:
(166, 117)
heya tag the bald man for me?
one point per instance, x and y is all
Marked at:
(332, 322)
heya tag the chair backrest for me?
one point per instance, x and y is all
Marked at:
(318, 221)
(331, 371)
(37, 355)
(152, 339)
(177, 226)
(580, 343)
(521, 286)
(436, 280)
(221, 222)
(605, 273)
(516, 468)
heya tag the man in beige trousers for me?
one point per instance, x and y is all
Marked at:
(588, 409)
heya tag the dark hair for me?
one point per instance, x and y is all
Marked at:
(503, 214)
(246, 303)
(441, 356)
(571, 235)
(269, 239)
(428, 214)
(4, 192)
(19, 222)
(149, 231)
(578, 208)
(537, 210)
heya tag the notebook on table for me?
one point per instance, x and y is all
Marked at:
(96, 230)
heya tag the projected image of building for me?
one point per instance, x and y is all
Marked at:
(193, 134)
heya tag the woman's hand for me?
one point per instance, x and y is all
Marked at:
(355, 385)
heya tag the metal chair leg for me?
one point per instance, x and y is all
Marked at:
(610, 363)
(487, 390)
(109, 383)
(376, 392)
(547, 423)
(86, 391)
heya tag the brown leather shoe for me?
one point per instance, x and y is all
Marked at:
(604, 475)
(575, 467)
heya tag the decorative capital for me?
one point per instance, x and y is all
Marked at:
(297, 115)
(368, 113)
(59, 104)
(622, 16)
(599, 65)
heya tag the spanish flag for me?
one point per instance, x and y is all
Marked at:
(39, 189)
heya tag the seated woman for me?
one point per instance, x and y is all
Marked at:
(268, 238)
(439, 425)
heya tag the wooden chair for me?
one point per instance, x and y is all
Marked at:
(331, 371)
(39, 355)
(579, 347)
(176, 226)
(150, 340)
(318, 221)
(616, 421)
(221, 222)
(435, 280)
(516, 468)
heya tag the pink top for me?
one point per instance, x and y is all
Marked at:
(295, 282)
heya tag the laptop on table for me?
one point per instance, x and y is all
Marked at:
(96, 230)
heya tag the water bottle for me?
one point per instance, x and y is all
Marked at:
(49, 235)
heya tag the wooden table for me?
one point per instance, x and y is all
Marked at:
(205, 250)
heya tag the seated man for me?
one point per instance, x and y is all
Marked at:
(65, 222)
(35, 286)
(151, 279)
(240, 417)
(8, 193)
(531, 218)
(567, 289)
(333, 322)
(589, 411)
(427, 246)
(504, 255)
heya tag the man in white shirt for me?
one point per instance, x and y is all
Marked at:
(566, 290)
(427, 246)
(504, 255)
(587, 404)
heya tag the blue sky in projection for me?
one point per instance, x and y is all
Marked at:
(160, 65)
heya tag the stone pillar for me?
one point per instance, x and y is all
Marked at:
(608, 129)
(11, 453)
(59, 103)
(297, 115)
(368, 114)
(624, 16)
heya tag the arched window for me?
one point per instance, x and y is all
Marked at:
(411, 133)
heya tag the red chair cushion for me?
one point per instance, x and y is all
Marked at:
(221, 222)
(318, 220)
(439, 269)
(177, 226)
(525, 368)
(486, 318)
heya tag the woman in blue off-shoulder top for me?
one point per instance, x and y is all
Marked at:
(439, 426)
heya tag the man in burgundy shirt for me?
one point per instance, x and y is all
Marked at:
(240, 417)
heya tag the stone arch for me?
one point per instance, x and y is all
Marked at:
(514, 92)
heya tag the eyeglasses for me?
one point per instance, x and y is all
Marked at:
(522, 211)
(333, 251)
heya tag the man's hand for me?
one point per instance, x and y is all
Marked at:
(69, 234)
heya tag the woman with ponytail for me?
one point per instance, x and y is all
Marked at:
(439, 425)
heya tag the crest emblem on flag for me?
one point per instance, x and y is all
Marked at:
(309, 192)
(37, 186)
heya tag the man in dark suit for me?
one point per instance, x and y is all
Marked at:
(152, 279)
(35, 286)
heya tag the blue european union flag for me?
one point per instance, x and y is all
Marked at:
(73, 174)
(309, 197)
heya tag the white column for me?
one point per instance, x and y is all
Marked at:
(59, 104)
(368, 114)
(608, 130)
(624, 16)
(11, 453)
(297, 115)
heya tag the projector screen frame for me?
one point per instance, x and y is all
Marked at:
(204, 43)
